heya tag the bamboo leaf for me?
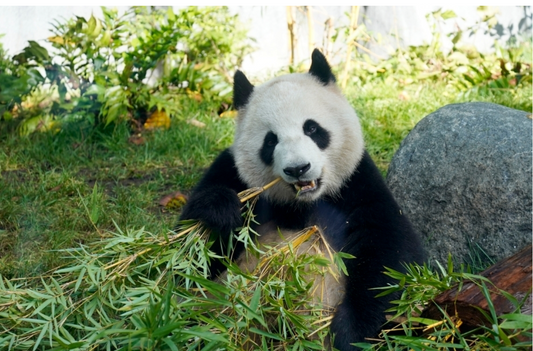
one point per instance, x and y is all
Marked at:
(170, 344)
(254, 303)
(167, 329)
(206, 335)
(41, 336)
(80, 279)
(267, 334)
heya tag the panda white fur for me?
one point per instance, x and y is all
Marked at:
(301, 128)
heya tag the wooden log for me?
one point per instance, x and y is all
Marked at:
(512, 275)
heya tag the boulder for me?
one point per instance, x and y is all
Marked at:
(463, 177)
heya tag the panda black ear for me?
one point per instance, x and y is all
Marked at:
(242, 89)
(320, 68)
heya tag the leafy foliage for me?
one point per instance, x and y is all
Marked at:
(124, 67)
(15, 82)
(136, 290)
(463, 67)
(418, 286)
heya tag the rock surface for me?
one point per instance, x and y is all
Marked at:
(463, 177)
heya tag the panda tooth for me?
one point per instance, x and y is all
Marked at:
(311, 185)
(305, 186)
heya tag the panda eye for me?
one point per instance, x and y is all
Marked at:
(271, 140)
(310, 128)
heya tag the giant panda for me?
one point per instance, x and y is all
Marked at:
(301, 128)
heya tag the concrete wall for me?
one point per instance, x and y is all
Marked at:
(397, 25)
(22, 23)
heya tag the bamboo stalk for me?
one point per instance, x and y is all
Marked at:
(368, 51)
(180, 234)
(326, 321)
(243, 195)
(302, 237)
(128, 259)
(353, 26)
(310, 29)
(250, 193)
(292, 37)
(328, 29)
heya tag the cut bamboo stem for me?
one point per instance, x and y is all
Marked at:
(243, 195)
(253, 192)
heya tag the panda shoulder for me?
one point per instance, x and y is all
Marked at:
(223, 171)
(224, 160)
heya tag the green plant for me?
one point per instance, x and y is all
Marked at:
(124, 67)
(419, 286)
(463, 67)
(137, 290)
(16, 82)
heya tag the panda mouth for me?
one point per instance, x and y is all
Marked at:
(302, 187)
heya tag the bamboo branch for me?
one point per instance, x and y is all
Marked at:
(310, 29)
(353, 26)
(292, 37)
(328, 28)
(367, 51)
(247, 194)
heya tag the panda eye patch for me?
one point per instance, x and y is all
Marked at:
(267, 150)
(318, 134)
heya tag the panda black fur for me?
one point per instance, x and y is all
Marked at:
(301, 128)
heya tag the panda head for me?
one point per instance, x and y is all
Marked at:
(298, 127)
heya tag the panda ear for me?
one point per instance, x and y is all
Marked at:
(242, 89)
(320, 68)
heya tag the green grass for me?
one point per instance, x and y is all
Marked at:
(45, 180)
(388, 112)
(57, 190)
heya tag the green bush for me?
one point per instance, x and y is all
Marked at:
(16, 82)
(463, 69)
(124, 67)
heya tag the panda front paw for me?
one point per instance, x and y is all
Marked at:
(217, 207)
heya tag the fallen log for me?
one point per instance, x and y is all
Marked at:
(511, 275)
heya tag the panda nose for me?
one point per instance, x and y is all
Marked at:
(297, 171)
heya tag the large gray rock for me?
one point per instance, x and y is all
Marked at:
(463, 177)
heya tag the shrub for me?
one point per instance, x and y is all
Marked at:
(124, 67)
(463, 68)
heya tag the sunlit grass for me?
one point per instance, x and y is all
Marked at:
(45, 180)
(389, 112)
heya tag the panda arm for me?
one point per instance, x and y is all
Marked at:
(215, 203)
(379, 236)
